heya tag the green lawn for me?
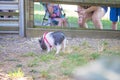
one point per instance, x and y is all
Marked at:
(60, 67)
(39, 14)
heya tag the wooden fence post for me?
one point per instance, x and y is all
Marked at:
(21, 18)
(29, 13)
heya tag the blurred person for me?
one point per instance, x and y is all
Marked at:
(114, 14)
(56, 15)
(94, 13)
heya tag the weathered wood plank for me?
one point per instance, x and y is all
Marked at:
(9, 19)
(9, 28)
(27, 13)
(11, 24)
(8, 7)
(37, 32)
(9, 13)
(31, 14)
(115, 3)
(9, 32)
(8, 2)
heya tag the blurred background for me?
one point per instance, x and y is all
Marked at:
(71, 16)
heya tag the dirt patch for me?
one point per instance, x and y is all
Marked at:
(14, 47)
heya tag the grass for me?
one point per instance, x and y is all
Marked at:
(16, 74)
(65, 63)
(39, 14)
(48, 66)
(62, 64)
(29, 54)
(44, 74)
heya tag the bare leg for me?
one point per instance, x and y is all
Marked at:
(65, 22)
(114, 25)
(83, 24)
(97, 16)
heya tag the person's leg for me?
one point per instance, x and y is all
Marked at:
(65, 23)
(97, 16)
(114, 25)
(62, 22)
(113, 17)
(83, 24)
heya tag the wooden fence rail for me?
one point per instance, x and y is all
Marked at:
(115, 3)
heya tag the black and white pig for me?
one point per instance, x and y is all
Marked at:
(51, 40)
